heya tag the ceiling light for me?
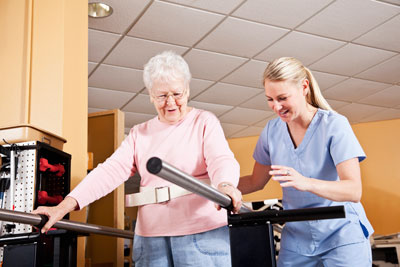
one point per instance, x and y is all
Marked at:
(99, 10)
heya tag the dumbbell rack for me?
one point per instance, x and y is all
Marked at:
(29, 180)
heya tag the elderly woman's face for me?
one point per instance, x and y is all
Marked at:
(170, 100)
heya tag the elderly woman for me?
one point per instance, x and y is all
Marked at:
(186, 230)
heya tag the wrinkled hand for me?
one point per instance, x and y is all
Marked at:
(233, 193)
(289, 177)
(56, 213)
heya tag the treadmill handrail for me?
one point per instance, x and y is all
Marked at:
(168, 172)
(37, 220)
(282, 216)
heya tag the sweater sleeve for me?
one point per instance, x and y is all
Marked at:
(108, 175)
(220, 161)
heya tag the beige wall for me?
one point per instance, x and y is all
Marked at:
(15, 32)
(75, 97)
(43, 74)
(243, 149)
(380, 175)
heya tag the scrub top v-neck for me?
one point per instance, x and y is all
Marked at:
(328, 141)
(309, 132)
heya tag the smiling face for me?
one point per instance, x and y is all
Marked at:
(286, 98)
(170, 100)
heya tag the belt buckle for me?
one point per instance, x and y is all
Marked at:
(156, 193)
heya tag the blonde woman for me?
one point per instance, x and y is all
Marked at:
(314, 155)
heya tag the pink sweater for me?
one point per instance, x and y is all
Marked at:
(196, 145)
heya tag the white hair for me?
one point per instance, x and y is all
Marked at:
(166, 66)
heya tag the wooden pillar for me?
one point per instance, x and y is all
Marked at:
(43, 75)
(105, 135)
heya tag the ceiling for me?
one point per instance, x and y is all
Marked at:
(352, 47)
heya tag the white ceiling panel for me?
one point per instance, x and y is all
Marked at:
(230, 129)
(93, 110)
(124, 14)
(228, 94)
(358, 58)
(354, 89)
(336, 104)
(224, 7)
(100, 43)
(249, 131)
(284, 13)
(107, 99)
(352, 48)
(214, 108)
(326, 80)
(197, 86)
(117, 78)
(183, 26)
(386, 114)
(357, 112)
(257, 102)
(249, 74)
(126, 131)
(141, 104)
(232, 36)
(263, 122)
(91, 66)
(244, 116)
(347, 20)
(385, 36)
(388, 71)
(211, 66)
(132, 118)
(134, 53)
(308, 48)
(145, 91)
(389, 97)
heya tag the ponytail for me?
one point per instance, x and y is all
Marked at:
(315, 97)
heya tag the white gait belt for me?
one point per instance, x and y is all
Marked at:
(154, 195)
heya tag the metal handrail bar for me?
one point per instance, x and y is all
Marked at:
(38, 220)
(168, 172)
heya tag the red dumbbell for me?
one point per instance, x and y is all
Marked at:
(45, 165)
(60, 170)
(44, 198)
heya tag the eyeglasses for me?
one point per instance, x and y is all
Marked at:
(164, 97)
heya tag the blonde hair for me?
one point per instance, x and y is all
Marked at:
(291, 69)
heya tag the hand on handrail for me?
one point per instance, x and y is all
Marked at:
(231, 191)
(56, 213)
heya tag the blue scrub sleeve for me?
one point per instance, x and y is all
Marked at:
(261, 152)
(344, 144)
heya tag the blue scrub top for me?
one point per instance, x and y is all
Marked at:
(329, 140)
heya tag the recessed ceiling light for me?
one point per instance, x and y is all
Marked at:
(99, 10)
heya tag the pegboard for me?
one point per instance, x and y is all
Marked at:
(24, 187)
(30, 180)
